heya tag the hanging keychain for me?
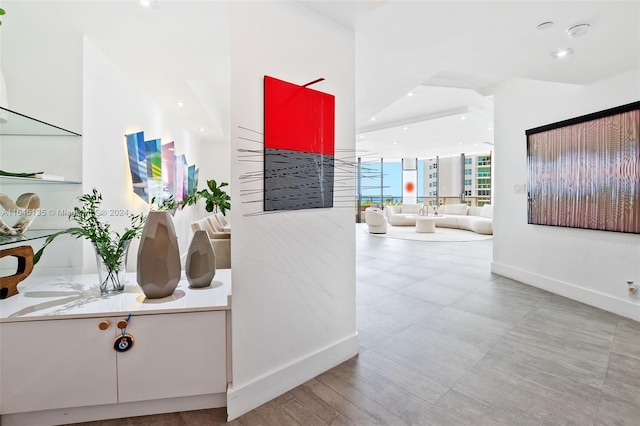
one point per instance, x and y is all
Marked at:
(124, 342)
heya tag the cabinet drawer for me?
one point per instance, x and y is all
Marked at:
(56, 364)
(174, 355)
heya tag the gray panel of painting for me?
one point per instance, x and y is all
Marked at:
(297, 180)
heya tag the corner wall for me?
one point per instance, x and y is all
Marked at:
(586, 265)
(293, 312)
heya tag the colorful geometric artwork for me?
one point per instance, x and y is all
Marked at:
(156, 171)
(180, 181)
(154, 168)
(168, 168)
(298, 146)
(138, 164)
(585, 172)
(191, 179)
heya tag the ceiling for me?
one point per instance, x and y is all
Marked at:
(448, 54)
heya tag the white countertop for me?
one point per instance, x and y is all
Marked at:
(78, 296)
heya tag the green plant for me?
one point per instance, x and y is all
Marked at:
(190, 199)
(111, 246)
(2, 12)
(216, 198)
(167, 204)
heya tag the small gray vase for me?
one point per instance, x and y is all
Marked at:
(200, 267)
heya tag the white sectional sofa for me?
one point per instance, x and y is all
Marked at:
(402, 215)
(461, 216)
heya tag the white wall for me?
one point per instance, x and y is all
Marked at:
(585, 265)
(293, 313)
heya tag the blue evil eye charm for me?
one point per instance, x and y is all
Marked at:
(123, 343)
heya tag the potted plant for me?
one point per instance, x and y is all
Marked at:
(111, 247)
(216, 198)
(435, 205)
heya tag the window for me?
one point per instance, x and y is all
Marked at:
(468, 161)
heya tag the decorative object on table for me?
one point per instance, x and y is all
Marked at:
(158, 256)
(299, 147)
(9, 284)
(584, 172)
(424, 210)
(435, 205)
(25, 208)
(200, 266)
(111, 247)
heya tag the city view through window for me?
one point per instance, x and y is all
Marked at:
(444, 180)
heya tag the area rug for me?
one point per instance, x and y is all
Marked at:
(441, 234)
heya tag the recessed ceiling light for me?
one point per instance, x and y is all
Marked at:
(180, 103)
(373, 119)
(578, 30)
(459, 143)
(150, 4)
(395, 143)
(405, 128)
(489, 129)
(545, 25)
(202, 129)
(410, 94)
(562, 53)
(463, 118)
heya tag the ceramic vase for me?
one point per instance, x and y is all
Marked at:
(200, 266)
(158, 270)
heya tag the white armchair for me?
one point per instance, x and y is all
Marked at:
(376, 220)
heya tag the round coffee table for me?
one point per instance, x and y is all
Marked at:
(427, 223)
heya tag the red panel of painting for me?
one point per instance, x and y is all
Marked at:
(298, 118)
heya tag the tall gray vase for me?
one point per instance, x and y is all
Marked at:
(200, 267)
(158, 256)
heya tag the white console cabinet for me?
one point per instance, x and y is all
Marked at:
(58, 365)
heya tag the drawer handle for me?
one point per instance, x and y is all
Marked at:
(104, 325)
(122, 324)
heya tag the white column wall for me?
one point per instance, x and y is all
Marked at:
(293, 312)
(586, 265)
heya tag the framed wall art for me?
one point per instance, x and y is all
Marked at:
(585, 172)
(298, 146)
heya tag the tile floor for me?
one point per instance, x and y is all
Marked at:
(446, 342)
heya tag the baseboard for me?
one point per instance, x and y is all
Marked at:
(114, 411)
(244, 398)
(603, 301)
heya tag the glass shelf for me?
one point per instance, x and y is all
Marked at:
(26, 180)
(31, 234)
(15, 124)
